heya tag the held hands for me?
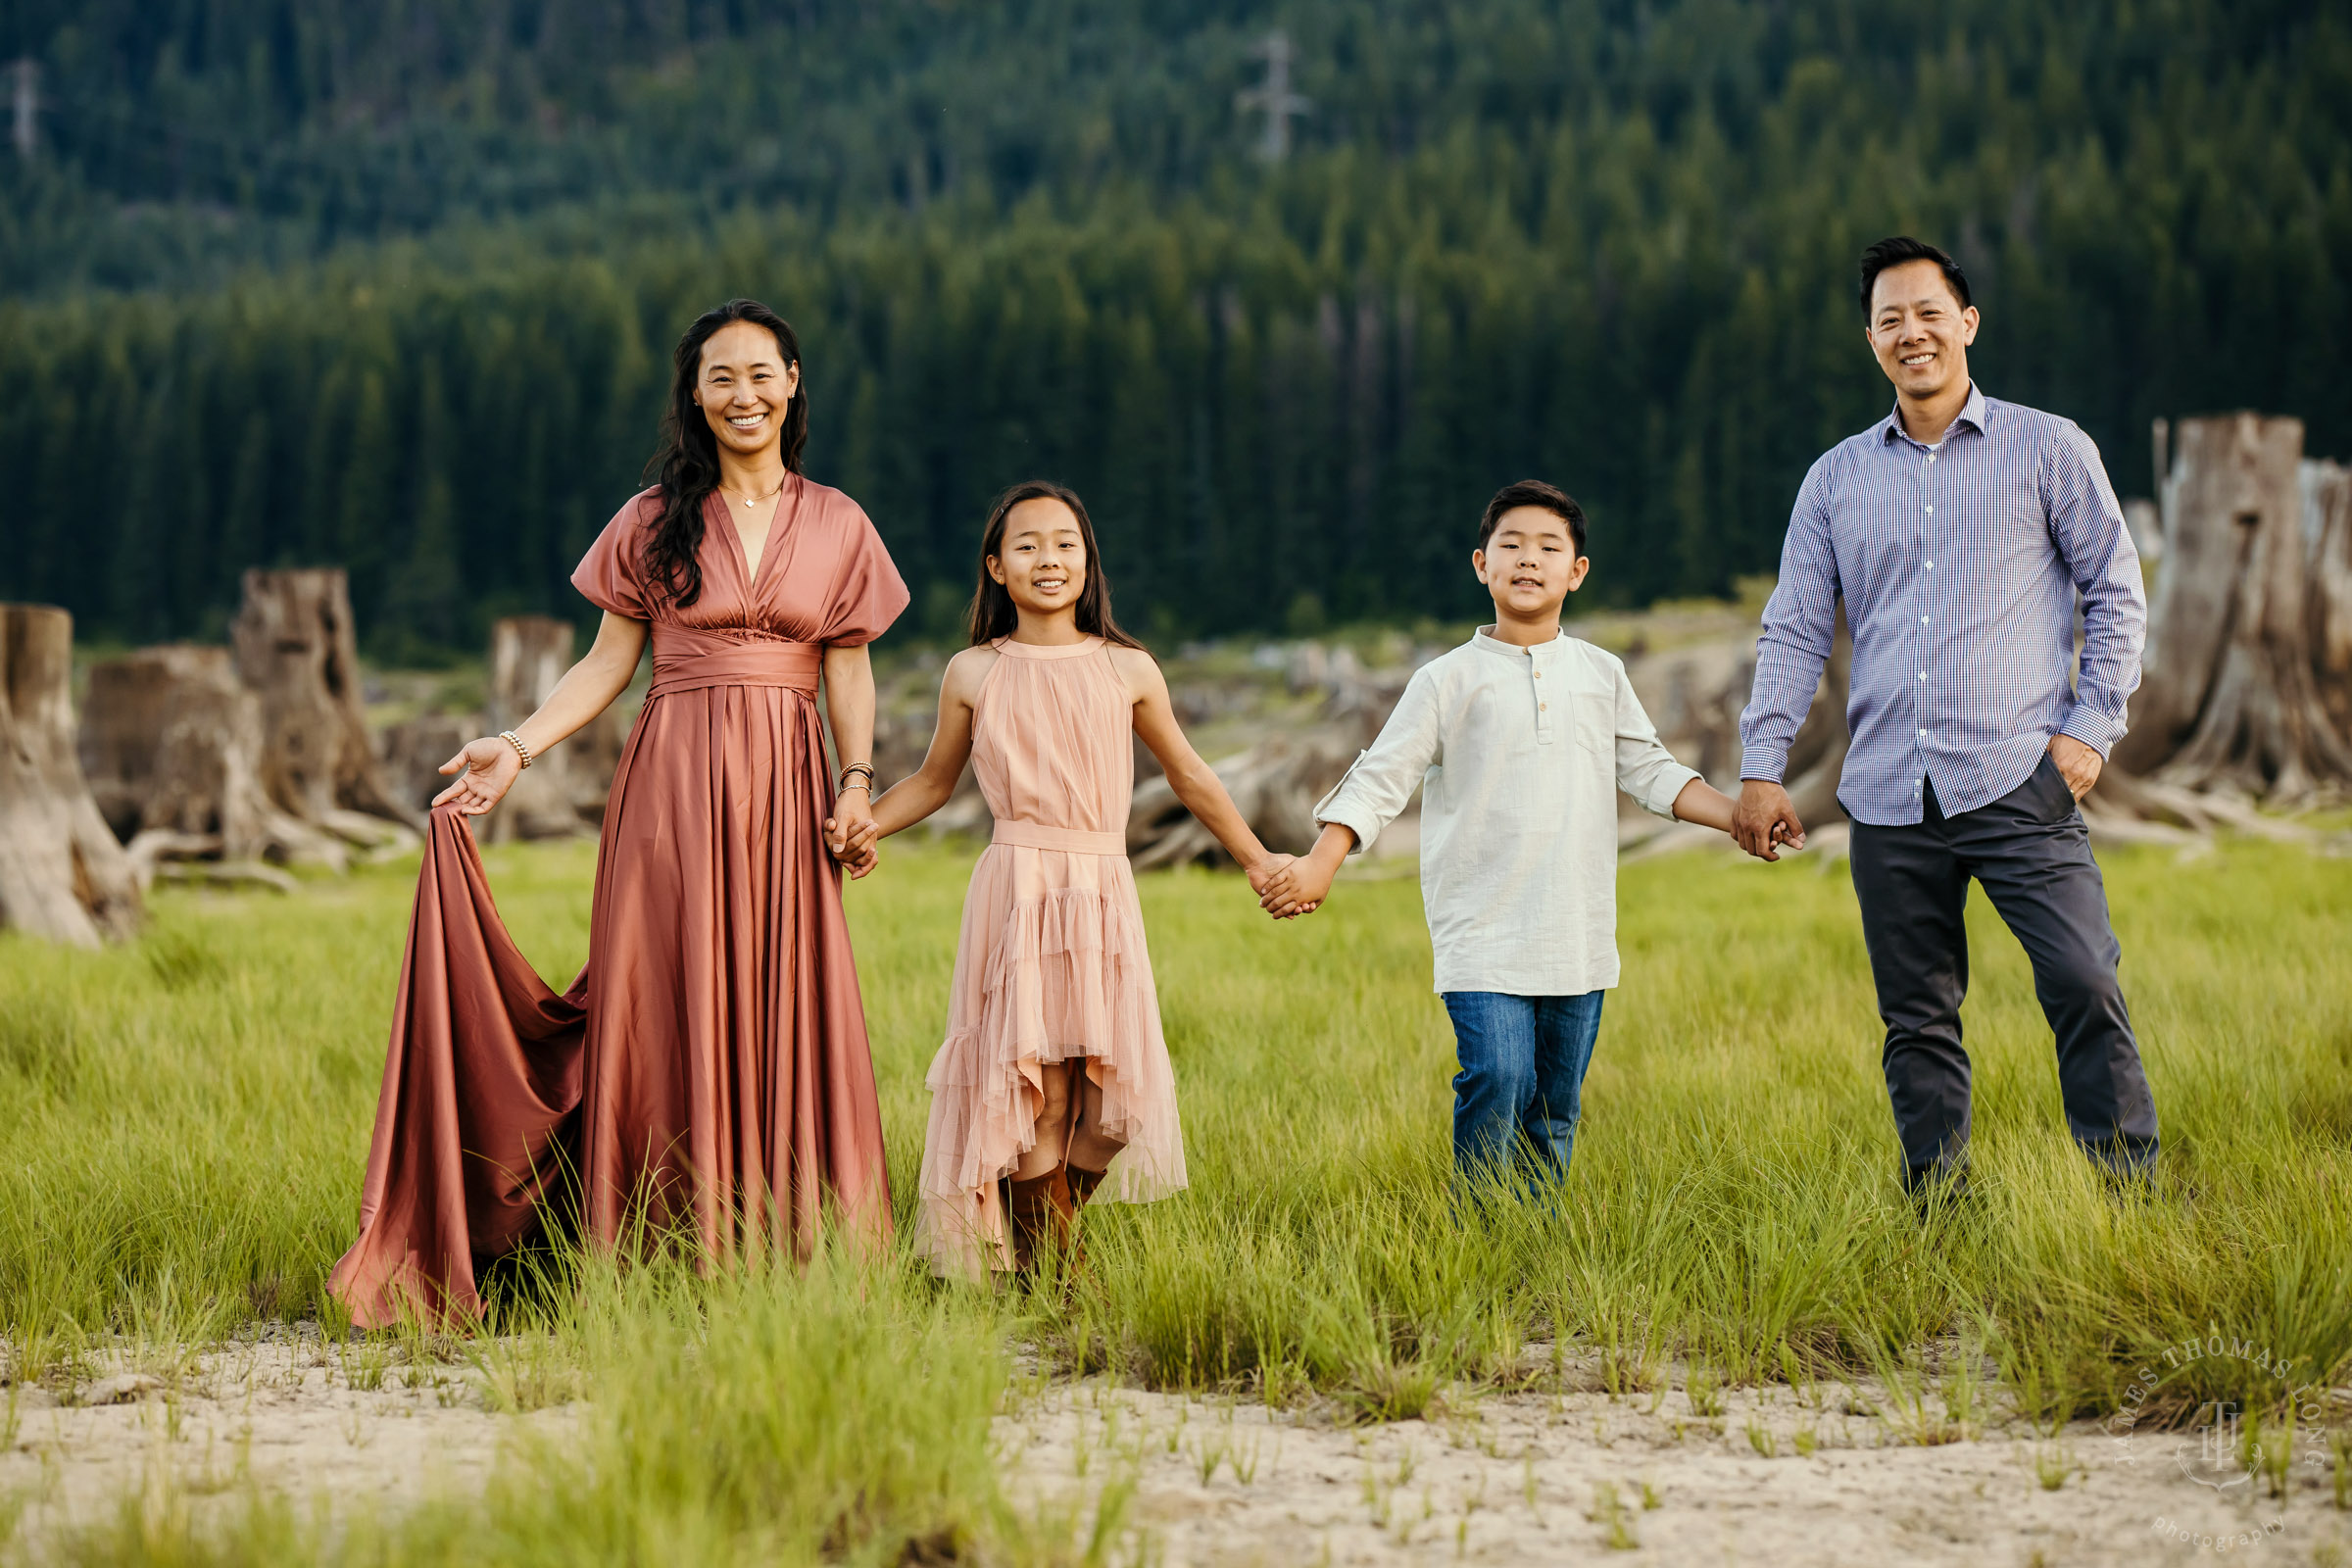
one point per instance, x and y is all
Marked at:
(1298, 886)
(851, 834)
(1276, 882)
(2079, 765)
(487, 769)
(1764, 821)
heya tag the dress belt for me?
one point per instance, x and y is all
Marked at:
(687, 659)
(1068, 840)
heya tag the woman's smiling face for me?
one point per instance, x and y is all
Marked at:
(745, 387)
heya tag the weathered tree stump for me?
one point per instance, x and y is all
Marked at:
(172, 745)
(63, 875)
(297, 651)
(528, 655)
(2232, 692)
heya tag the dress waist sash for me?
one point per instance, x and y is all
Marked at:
(1068, 840)
(688, 658)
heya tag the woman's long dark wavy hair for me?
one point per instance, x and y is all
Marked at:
(993, 614)
(686, 463)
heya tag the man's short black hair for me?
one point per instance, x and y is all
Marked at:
(1534, 492)
(1903, 248)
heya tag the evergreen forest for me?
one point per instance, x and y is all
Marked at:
(394, 286)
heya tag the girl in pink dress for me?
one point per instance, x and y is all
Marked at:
(1054, 1084)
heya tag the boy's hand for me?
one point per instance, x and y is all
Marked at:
(1271, 880)
(1303, 884)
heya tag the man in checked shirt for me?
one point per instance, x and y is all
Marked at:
(1960, 531)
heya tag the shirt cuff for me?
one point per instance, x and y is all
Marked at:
(2093, 728)
(1662, 803)
(1767, 762)
(1355, 818)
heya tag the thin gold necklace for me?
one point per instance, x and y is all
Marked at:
(749, 501)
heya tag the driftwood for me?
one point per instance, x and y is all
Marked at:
(297, 651)
(2251, 630)
(172, 747)
(1274, 785)
(63, 874)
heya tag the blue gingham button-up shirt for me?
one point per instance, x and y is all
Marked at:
(1959, 564)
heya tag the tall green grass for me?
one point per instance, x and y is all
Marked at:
(184, 1123)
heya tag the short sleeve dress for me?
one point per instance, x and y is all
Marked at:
(709, 1072)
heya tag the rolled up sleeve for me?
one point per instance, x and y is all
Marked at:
(1646, 769)
(1386, 774)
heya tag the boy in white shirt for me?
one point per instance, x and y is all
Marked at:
(1520, 740)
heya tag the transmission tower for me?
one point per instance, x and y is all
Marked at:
(1274, 97)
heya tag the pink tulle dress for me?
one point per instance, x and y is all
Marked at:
(1051, 964)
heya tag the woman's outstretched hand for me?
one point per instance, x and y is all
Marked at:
(487, 769)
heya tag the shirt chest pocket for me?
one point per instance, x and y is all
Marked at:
(1591, 719)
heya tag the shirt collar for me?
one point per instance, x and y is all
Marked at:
(1485, 638)
(1972, 414)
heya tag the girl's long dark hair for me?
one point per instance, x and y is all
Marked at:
(686, 463)
(993, 614)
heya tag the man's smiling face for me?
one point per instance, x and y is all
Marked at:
(1919, 329)
(1530, 563)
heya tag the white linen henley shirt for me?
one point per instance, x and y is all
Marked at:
(1519, 753)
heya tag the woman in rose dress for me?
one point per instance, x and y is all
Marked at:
(708, 1074)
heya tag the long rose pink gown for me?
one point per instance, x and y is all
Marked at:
(1051, 964)
(709, 1071)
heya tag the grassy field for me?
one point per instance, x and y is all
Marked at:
(184, 1123)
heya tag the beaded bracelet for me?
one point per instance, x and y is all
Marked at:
(515, 741)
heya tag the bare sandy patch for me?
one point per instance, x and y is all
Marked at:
(1829, 1475)
(343, 1427)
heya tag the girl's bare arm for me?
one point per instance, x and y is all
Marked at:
(929, 787)
(1196, 784)
(490, 765)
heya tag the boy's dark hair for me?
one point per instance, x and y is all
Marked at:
(1534, 492)
(1903, 248)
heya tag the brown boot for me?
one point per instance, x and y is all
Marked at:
(1082, 1186)
(1038, 1208)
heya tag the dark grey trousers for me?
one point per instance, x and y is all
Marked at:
(2031, 853)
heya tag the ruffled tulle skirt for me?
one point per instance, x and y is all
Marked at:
(1050, 966)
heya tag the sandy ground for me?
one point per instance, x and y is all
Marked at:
(1824, 1475)
(346, 1426)
(1780, 1476)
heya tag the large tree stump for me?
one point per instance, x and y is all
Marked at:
(63, 875)
(528, 655)
(296, 649)
(2232, 696)
(2328, 524)
(172, 748)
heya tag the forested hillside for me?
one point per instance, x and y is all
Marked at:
(394, 285)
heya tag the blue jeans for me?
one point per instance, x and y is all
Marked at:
(1522, 1081)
